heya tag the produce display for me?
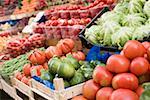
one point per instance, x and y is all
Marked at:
(58, 61)
(75, 49)
(7, 7)
(123, 77)
(62, 28)
(16, 47)
(129, 20)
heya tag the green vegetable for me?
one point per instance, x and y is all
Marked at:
(54, 64)
(108, 28)
(87, 70)
(45, 75)
(122, 8)
(141, 32)
(120, 37)
(92, 32)
(136, 6)
(110, 16)
(146, 94)
(134, 20)
(71, 60)
(66, 83)
(147, 8)
(77, 78)
(66, 70)
(95, 63)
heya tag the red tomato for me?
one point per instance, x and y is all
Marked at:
(26, 69)
(122, 53)
(25, 80)
(102, 76)
(36, 69)
(123, 94)
(78, 98)
(148, 54)
(104, 93)
(139, 90)
(117, 64)
(133, 49)
(125, 80)
(146, 44)
(90, 89)
(37, 57)
(52, 51)
(139, 66)
(78, 55)
(45, 65)
(18, 75)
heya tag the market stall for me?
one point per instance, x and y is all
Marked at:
(75, 49)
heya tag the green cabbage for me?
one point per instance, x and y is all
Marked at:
(134, 20)
(120, 37)
(122, 8)
(141, 32)
(147, 8)
(109, 16)
(136, 6)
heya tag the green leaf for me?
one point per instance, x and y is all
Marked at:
(145, 95)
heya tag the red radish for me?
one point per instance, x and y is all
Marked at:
(139, 66)
(102, 76)
(117, 64)
(124, 94)
(125, 80)
(104, 93)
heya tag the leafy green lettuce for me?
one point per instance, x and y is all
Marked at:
(147, 8)
(92, 33)
(122, 8)
(134, 20)
(141, 32)
(108, 28)
(109, 16)
(136, 6)
(120, 37)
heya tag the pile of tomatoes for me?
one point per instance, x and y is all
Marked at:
(123, 75)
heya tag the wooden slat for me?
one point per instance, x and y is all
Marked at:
(60, 93)
(23, 88)
(8, 89)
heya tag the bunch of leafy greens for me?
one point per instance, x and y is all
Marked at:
(133, 20)
(147, 8)
(136, 6)
(108, 28)
(120, 37)
(141, 32)
(92, 32)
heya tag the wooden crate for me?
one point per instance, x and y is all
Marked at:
(23, 88)
(10, 90)
(59, 93)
